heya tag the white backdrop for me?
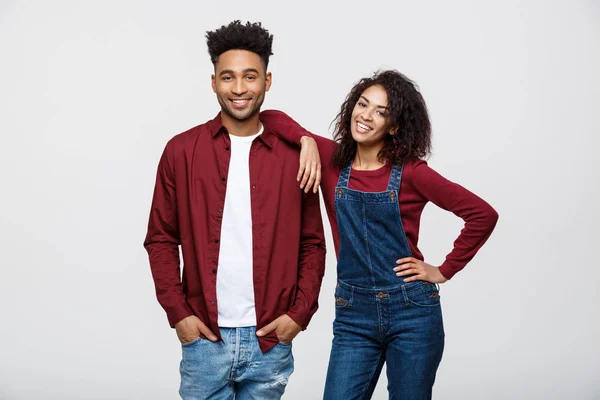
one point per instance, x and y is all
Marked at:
(90, 92)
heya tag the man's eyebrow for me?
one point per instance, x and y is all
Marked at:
(231, 72)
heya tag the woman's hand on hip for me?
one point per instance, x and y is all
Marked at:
(420, 271)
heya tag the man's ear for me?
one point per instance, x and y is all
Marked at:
(268, 80)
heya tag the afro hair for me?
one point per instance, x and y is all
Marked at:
(237, 36)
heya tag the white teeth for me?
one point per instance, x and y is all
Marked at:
(240, 101)
(363, 127)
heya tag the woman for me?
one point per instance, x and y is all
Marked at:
(375, 185)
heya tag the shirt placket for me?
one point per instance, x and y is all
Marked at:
(257, 271)
(222, 145)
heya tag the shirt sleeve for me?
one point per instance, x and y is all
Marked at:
(479, 217)
(311, 261)
(162, 243)
(290, 131)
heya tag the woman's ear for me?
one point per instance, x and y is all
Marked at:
(393, 131)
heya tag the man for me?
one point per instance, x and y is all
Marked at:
(252, 243)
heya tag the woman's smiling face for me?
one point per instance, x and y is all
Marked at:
(370, 117)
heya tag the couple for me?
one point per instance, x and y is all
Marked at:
(253, 244)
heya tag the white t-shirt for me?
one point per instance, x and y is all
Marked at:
(235, 285)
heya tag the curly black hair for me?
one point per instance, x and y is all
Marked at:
(407, 113)
(237, 36)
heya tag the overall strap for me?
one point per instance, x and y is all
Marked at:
(395, 178)
(345, 176)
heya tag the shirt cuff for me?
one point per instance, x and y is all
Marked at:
(447, 271)
(176, 314)
(301, 318)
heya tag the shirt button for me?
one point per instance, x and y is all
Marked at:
(213, 303)
(226, 148)
(216, 240)
(214, 271)
(223, 179)
(220, 210)
(253, 186)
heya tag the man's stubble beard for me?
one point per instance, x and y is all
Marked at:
(225, 107)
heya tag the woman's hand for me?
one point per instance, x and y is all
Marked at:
(423, 271)
(309, 173)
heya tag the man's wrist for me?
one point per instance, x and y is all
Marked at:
(299, 318)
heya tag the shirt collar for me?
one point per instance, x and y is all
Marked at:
(216, 127)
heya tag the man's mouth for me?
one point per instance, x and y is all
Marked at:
(240, 103)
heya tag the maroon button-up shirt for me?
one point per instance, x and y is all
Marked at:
(187, 210)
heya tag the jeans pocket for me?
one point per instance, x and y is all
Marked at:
(424, 295)
(192, 342)
(343, 297)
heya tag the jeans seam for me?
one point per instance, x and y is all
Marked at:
(192, 342)
(406, 301)
(236, 354)
(362, 397)
(388, 318)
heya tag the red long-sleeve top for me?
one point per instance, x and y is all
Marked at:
(420, 184)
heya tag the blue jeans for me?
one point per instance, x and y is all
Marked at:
(401, 326)
(235, 368)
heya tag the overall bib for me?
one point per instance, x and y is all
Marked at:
(379, 318)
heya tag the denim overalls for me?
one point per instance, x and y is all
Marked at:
(379, 318)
